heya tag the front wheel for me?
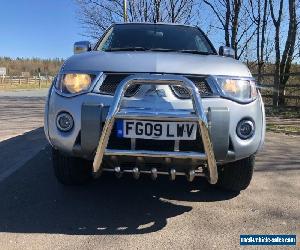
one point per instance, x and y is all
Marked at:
(236, 176)
(71, 170)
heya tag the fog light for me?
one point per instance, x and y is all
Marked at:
(245, 129)
(64, 122)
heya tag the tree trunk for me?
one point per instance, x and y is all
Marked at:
(261, 58)
(235, 25)
(157, 17)
(277, 67)
(227, 22)
(281, 96)
(277, 24)
(258, 44)
(288, 52)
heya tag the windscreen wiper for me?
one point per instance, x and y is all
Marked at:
(192, 51)
(163, 50)
(126, 49)
(159, 50)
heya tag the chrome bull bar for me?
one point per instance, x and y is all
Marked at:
(198, 115)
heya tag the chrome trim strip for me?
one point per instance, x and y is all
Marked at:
(156, 154)
(155, 116)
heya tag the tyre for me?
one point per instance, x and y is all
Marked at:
(236, 176)
(71, 170)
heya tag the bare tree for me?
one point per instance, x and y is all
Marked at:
(97, 15)
(259, 16)
(224, 21)
(179, 11)
(287, 56)
(283, 61)
(233, 17)
(236, 5)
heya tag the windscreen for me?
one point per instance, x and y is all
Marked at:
(155, 37)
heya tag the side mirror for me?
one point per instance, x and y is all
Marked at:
(83, 46)
(226, 51)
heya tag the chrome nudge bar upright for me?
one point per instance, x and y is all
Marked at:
(198, 116)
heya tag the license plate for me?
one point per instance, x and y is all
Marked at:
(157, 130)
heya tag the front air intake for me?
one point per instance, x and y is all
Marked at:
(111, 82)
(200, 82)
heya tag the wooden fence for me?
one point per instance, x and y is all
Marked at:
(35, 81)
(291, 93)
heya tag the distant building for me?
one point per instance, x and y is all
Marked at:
(2, 71)
(25, 74)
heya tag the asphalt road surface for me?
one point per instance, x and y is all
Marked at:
(21, 111)
(36, 212)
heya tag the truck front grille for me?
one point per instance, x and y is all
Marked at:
(112, 80)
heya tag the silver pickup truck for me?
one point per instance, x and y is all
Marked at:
(154, 99)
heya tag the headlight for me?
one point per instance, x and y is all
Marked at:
(74, 83)
(238, 89)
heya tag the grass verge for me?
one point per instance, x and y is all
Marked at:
(283, 128)
(9, 87)
(284, 113)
